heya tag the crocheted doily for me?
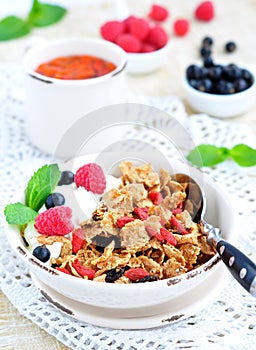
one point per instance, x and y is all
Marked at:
(227, 323)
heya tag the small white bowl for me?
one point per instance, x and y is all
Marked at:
(144, 63)
(221, 106)
(138, 295)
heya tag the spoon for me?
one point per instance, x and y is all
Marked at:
(240, 266)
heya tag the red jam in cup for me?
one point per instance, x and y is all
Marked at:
(75, 67)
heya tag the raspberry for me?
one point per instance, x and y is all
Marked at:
(77, 240)
(168, 236)
(138, 27)
(129, 43)
(82, 270)
(147, 48)
(178, 225)
(177, 211)
(157, 36)
(142, 213)
(181, 27)
(155, 197)
(136, 273)
(204, 11)
(158, 13)
(91, 177)
(121, 222)
(111, 29)
(54, 222)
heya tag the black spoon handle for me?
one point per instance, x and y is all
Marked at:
(240, 266)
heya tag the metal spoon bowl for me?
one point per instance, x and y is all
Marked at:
(240, 266)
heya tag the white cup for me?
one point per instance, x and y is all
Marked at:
(53, 105)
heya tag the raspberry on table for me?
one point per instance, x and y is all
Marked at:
(181, 27)
(91, 177)
(204, 11)
(157, 36)
(129, 43)
(138, 27)
(111, 30)
(54, 222)
(158, 13)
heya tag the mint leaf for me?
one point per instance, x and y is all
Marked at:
(243, 155)
(42, 15)
(41, 184)
(207, 155)
(19, 214)
(13, 27)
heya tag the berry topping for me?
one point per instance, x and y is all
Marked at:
(91, 177)
(54, 222)
(157, 36)
(138, 27)
(142, 213)
(129, 43)
(121, 222)
(155, 197)
(136, 273)
(148, 278)
(158, 13)
(204, 11)
(83, 271)
(54, 200)
(168, 236)
(111, 30)
(66, 178)
(181, 27)
(42, 253)
(230, 46)
(78, 240)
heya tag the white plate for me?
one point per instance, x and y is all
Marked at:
(176, 310)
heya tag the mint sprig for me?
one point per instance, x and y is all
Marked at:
(41, 184)
(19, 214)
(40, 15)
(210, 155)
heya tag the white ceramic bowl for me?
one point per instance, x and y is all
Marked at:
(53, 105)
(221, 106)
(142, 295)
(143, 63)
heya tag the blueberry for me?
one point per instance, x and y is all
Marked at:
(232, 72)
(208, 62)
(67, 178)
(42, 253)
(113, 275)
(245, 74)
(148, 278)
(224, 87)
(54, 200)
(230, 46)
(196, 72)
(215, 72)
(240, 85)
(205, 52)
(207, 41)
(204, 85)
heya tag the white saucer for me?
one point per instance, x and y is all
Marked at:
(167, 313)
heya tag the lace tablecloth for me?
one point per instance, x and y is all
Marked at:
(227, 323)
